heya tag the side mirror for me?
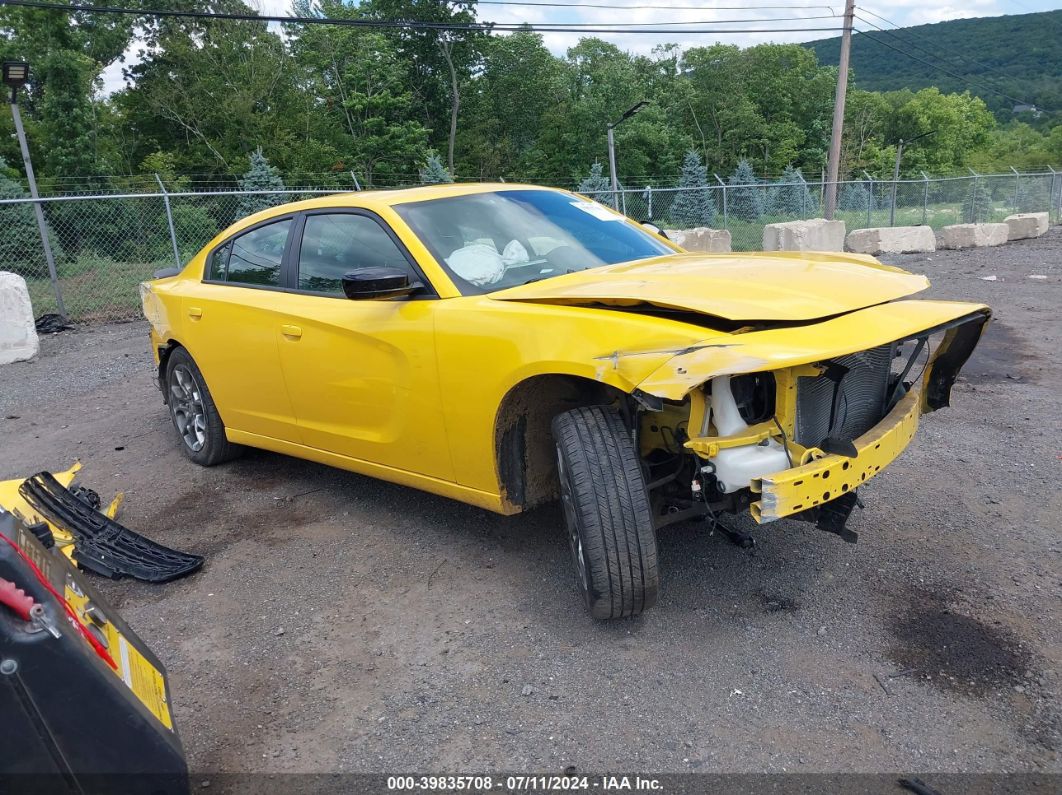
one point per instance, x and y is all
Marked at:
(380, 282)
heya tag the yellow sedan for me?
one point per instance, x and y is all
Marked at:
(510, 345)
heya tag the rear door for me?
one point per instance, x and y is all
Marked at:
(361, 374)
(232, 329)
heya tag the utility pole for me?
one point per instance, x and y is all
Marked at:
(612, 167)
(833, 166)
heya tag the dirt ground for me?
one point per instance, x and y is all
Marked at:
(344, 624)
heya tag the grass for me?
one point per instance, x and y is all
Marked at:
(94, 288)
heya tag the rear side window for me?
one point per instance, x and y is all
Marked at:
(219, 261)
(256, 256)
(335, 244)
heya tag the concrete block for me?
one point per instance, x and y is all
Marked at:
(701, 239)
(817, 234)
(891, 240)
(18, 335)
(1025, 225)
(973, 235)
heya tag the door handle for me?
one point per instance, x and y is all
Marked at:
(195, 312)
(292, 332)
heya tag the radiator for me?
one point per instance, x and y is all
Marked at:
(860, 404)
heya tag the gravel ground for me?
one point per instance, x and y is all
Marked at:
(344, 624)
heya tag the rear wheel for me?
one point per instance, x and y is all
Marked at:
(194, 415)
(607, 513)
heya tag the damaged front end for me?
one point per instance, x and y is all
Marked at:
(790, 421)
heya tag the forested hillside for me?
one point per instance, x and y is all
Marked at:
(1017, 55)
(319, 102)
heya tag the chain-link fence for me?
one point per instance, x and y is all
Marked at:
(103, 246)
(745, 209)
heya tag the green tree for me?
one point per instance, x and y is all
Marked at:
(21, 250)
(439, 62)
(853, 196)
(434, 171)
(694, 204)
(745, 199)
(506, 107)
(368, 119)
(209, 90)
(260, 177)
(790, 195)
(596, 185)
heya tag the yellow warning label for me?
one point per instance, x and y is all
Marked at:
(138, 674)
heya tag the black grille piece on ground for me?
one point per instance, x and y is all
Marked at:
(860, 402)
(101, 544)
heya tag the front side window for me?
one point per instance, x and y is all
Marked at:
(490, 241)
(335, 244)
(256, 255)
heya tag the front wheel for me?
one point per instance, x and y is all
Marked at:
(194, 415)
(607, 513)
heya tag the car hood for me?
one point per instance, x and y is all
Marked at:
(780, 286)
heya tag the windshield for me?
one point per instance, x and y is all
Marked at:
(490, 241)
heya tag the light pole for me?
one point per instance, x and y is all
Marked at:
(16, 75)
(612, 149)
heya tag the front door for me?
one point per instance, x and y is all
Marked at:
(361, 374)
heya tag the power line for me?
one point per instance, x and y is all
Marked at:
(616, 7)
(675, 22)
(484, 27)
(964, 78)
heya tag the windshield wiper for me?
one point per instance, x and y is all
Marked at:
(549, 276)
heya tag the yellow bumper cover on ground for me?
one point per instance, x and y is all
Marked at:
(794, 490)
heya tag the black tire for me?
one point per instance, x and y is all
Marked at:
(195, 417)
(607, 513)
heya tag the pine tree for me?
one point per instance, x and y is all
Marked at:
(790, 195)
(694, 204)
(434, 171)
(21, 250)
(977, 206)
(260, 177)
(596, 186)
(854, 197)
(745, 201)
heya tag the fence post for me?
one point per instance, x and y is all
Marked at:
(973, 195)
(925, 197)
(870, 197)
(803, 197)
(623, 201)
(1017, 188)
(169, 219)
(357, 185)
(38, 210)
(1051, 195)
(725, 219)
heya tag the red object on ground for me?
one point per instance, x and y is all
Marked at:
(15, 598)
(100, 649)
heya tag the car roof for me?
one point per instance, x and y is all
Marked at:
(374, 199)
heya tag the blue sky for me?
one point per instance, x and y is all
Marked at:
(900, 12)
